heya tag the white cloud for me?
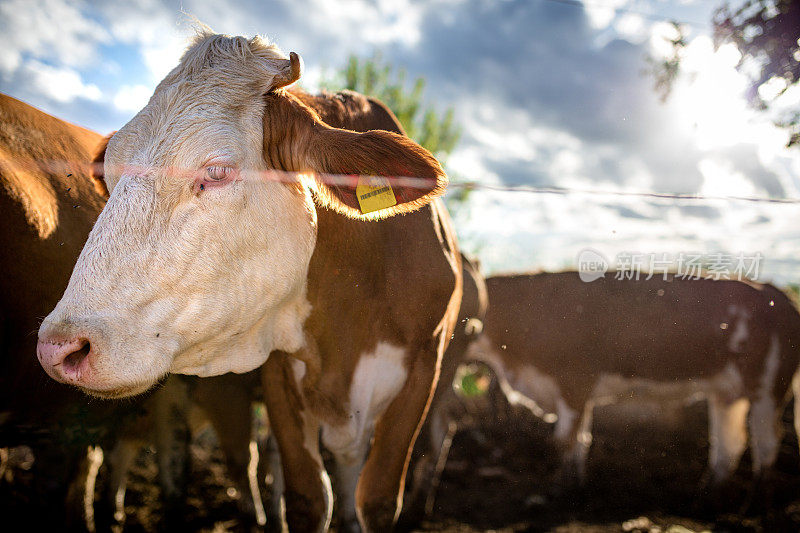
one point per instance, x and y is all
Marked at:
(132, 97)
(154, 28)
(632, 27)
(376, 22)
(56, 30)
(60, 84)
(721, 179)
(601, 15)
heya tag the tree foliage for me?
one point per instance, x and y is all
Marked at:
(666, 71)
(767, 33)
(431, 128)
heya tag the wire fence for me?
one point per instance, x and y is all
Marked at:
(68, 168)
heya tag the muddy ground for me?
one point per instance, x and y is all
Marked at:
(644, 474)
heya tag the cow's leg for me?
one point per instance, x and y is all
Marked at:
(430, 454)
(118, 462)
(307, 495)
(766, 409)
(727, 435)
(170, 407)
(574, 437)
(79, 500)
(796, 391)
(233, 423)
(349, 460)
(269, 468)
(440, 454)
(765, 432)
(380, 487)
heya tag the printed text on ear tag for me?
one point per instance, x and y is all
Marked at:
(374, 194)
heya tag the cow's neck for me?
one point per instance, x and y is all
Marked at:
(348, 259)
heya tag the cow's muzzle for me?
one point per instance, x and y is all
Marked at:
(65, 360)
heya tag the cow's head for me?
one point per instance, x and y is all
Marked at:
(198, 262)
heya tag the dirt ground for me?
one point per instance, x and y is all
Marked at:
(644, 473)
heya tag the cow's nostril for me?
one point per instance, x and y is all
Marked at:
(73, 360)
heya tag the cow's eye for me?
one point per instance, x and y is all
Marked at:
(218, 173)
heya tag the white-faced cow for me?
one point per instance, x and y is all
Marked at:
(567, 346)
(199, 264)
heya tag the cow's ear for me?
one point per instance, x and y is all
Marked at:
(345, 163)
(97, 171)
(354, 160)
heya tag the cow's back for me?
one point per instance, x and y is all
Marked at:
(661, 330)
(47, 207)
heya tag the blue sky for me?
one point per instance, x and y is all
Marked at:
(547, 93)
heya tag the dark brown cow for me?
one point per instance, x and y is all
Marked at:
(199, 266)
(47, 207)
(563, 346)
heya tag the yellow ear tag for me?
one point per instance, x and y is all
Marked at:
(374, 194)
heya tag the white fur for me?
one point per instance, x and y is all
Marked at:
(176, 280)
(740, 318)
(377, 379)
(727, 435)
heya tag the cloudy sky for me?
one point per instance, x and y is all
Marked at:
(548, 93)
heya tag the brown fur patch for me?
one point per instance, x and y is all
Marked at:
(297, 139)
(35, 195)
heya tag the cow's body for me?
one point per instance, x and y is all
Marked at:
(368, 364)
(48, 204)
(363, 302)
(567, 346)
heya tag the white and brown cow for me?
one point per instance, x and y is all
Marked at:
(564, 346)
(200, 264)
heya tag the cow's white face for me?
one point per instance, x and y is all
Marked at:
(197, 264)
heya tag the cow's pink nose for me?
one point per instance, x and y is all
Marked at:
(64, 360)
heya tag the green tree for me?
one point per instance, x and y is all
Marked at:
(767, 33)
(433, 129)
(666, 71)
